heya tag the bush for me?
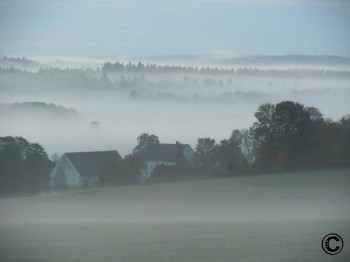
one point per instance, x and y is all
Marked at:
(171, 173)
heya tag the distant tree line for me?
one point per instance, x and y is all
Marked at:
(17, 59)
(158, 79)
(139, 67)
(249, 70)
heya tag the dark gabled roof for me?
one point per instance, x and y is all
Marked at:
(92, 163)
(163, 152)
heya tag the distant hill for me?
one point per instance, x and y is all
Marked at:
(311, 60)
(19, 63)
(299, 61)
(35, 109)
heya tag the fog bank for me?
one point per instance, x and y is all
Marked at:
(174, 103)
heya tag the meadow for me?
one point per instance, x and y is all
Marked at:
(277, 217)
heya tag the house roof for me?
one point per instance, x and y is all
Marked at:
(91, 163)
(163, 152)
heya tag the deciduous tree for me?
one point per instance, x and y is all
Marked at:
(145, 140)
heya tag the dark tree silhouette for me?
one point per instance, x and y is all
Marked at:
(145, 140)
(289, 136)
(24, 166)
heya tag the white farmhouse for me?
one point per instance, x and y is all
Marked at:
(81, 169)
(165, 154)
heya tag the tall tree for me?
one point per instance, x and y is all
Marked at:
(229, 152)
(126, 171)
(131, 168)
(325, 148)
(262, 137)
(145, 140)
(284, 135)
(263, 125)
(344, 140)
(292, 131)
(249, 144)
(205, 152)
(24, 166)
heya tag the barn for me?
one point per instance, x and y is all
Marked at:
(81, 169)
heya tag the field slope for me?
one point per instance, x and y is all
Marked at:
(280, 217)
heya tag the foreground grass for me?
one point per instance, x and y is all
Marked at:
(187, 241)
(280, 217)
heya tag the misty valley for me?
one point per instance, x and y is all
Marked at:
(158, 161)
(170, 131)
(175, 102)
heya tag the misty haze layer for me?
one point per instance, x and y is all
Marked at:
(175, 106)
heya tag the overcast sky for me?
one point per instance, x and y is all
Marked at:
(132, 28)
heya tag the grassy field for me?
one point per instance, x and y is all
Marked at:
(281, 217)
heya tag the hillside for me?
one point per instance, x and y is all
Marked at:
(272, 61)
(302, 60)
(20, 63)
(296, 196)
(27, 109)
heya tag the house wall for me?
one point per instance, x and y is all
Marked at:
(189, 154)
(64, 174)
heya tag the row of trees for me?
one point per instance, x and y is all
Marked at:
(139, 67)
(285, 137)
(156, 68)
(25, 166)
(227, 155)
